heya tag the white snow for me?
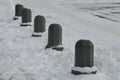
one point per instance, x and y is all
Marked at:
(28, 23)
(6, 10)
(37, 33)
(23, 57)
(85, 69)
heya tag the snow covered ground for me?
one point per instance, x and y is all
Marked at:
(6, 10)
(23, 57)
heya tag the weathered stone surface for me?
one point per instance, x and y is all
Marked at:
(84, 50)
(55, 37)
(84, 55)
(26, 17)
(18, 11)
(39, 25)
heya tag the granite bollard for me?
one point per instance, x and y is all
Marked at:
(26, 17)
(18, 11)
(84, 58)
(55, 37)
(39, 26)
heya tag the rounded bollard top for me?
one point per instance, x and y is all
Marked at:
(26, 9)
(39, 24)
(19, 5)
(39, 16)
(26, 16)
(84, 43)
(55, 26)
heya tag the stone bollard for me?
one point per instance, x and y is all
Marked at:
(39, 26)
(55, 37)
(26, 17)
(84, 58)
(18, 11)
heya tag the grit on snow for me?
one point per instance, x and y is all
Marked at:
(23, 57)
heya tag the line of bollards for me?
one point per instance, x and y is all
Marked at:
(24, 13)
(84, 49)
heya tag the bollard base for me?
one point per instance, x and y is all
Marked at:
(47, 47)
(57, 48)
(80, 73)
(25, 24)
(36, 34)
(84, 70)
(16, 18)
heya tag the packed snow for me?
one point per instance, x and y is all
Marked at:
(6, 10)
(23, 57)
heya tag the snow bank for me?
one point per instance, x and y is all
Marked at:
(6, 10)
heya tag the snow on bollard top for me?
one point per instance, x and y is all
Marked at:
(6, 10)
